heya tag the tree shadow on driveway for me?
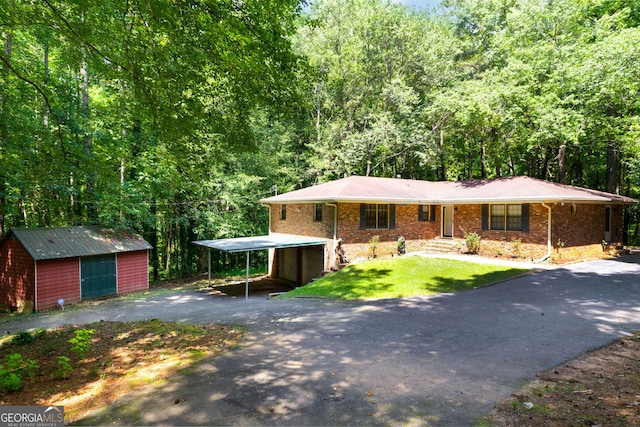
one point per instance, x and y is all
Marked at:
(439, 360)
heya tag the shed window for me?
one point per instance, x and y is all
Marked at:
(283, 212)
(506, 217)
(317, 212)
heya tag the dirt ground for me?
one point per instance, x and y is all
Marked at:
(121, 357)
(600, 388)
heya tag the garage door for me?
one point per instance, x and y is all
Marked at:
(312, 263)
(98, 276)
(300, 265)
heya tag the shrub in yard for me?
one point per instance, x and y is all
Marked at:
(373, 244)
(40, 333)
(21, 338)
(516, 247)
(64, 368)
(81, 342)
(473, 242)
(16, 369)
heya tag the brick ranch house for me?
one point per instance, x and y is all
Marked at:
(517, 216)
(43, 265)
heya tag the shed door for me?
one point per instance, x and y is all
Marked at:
(98, 276)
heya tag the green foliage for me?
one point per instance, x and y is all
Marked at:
(22, 337)
(16, 370)
(189, 115)
(40, 333)
(516, 247)
(64, 368)
(9, 381)
(472, 240)
(373, 245)
(81, 342)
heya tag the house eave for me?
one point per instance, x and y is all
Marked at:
(453, 201)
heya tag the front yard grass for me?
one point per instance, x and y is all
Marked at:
(404, 277)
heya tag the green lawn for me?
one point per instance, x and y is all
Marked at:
(404, 277)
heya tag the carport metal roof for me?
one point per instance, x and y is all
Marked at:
(257, 243)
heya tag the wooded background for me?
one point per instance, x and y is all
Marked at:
(172, 118)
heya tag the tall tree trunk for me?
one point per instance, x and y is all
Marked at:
(4, 133)
(613, 167)
(170, 239)
(155, 255)
(45, 63)
(443, 160)
(544, 173)
(87, 139)
(562, 173)
(483, 160)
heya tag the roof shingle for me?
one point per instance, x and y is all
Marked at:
(520, 189)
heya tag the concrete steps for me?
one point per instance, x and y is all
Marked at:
(441, 246)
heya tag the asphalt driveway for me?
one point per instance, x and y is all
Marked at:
(441, 360)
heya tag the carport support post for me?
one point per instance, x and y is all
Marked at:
(209, 267)
(246, 291)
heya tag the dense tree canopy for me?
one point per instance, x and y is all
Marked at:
(174, 118)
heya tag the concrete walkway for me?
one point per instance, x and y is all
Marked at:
(440, 360)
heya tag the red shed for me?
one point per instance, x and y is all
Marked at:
(44, 265)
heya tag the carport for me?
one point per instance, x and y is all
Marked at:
(257, 243)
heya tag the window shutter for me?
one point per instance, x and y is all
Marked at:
(485, 217)
(392, 216)
(363, 216)
(525, 218)
(420, 214)
(432, 213)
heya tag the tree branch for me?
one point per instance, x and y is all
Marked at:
(77, 36)
(41, 92)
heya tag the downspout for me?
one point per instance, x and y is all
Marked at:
(548, 254)
(269, 209)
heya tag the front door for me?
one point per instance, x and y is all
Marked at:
(447, 221)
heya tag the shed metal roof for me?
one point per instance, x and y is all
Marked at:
(257, 243)
(69, 242)
(520, 189)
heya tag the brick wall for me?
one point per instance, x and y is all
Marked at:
(132, 271)
(300, 220)
(578, 233)
(17, 274)
(356, 241)
(529, 245)
(581, 229)
(58, 278)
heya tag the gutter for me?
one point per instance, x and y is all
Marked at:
(548, 254)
